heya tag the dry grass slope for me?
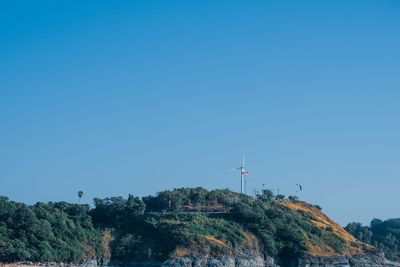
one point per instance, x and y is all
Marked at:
(250, 241)
(217, 241)
(107, 238)
(354, 247)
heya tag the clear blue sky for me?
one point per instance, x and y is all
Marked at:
(119, 97)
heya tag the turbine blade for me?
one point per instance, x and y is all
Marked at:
(244, 158)
(234, 169)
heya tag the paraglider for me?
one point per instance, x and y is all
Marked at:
(80, 194)
(300, 187)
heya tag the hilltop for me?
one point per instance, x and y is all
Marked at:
(186, 222)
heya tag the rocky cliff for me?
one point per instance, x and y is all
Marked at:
(251, 259)
(367, 260)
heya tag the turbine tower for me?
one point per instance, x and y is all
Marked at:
(243, 172)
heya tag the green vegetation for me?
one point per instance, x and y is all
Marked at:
(213, 222)
(194, 221)
(60, 232)
(384, 235)
(186, 221)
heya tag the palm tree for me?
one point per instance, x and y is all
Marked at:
(80, 194)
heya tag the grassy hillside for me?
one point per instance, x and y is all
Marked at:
(349, 245)
(182, 222)
(191, 222)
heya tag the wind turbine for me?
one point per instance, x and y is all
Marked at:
(243, 172)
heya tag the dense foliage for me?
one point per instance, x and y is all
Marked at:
(186, 221)
(213, 223)
(60, 232)
(384, 235)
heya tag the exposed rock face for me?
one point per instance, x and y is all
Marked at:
(218, 262)
(245, 260)
(375, 259)
(367, 260)
(323, 261)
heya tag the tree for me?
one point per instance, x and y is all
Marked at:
(266, 194)
(351, 228)
(280, 197)
(375, 222)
